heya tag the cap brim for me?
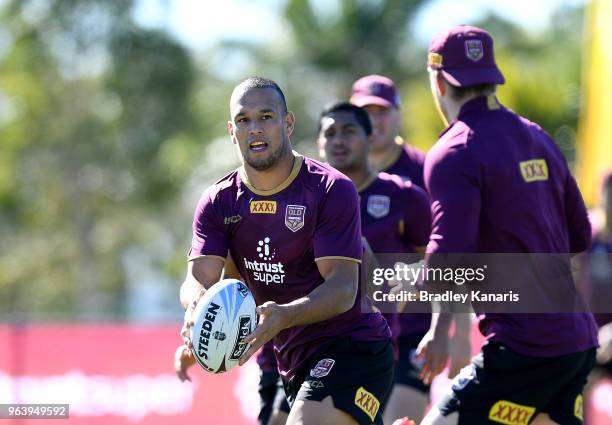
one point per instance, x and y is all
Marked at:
(362, 101)
(473, 76)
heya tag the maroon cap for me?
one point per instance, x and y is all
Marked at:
(464, 55)
(375, 90)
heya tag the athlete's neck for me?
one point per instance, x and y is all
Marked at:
(378, 158)
(272, 177)
(360, 176)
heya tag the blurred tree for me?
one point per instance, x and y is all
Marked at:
(362, 37)
(89, 100)
(327, 49)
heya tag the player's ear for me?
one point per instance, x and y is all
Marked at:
(321, 146)
(289, 123)
(440, 84)
(230, 130)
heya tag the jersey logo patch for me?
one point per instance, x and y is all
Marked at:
(534, 170)
(379, 206)
(578, 407)
(367, 402)
(322, 368)
(263, 207)
(294, 217)
(232, 220)
(474, 50)
(506, 412)
(313, 384)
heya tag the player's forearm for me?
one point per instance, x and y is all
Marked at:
(189, 290)
(202, 273)
(440, 323)
(462, 324)
(330, 299)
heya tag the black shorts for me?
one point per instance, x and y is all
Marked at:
(408, 368)
(271, 396)
(502, 386)
(357, 375)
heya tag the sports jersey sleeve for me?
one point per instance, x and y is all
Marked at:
(417, 217)
(209, 238)
(338, 230)
(453, 182)
(579, 226)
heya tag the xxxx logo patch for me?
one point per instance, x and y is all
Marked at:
(506, 412)
(534, 170)
(367, 402)
(578, 407)
(263, 207)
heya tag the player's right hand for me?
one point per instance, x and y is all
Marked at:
(183, 360)
(188, 319)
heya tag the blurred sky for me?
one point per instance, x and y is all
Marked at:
(199, 24)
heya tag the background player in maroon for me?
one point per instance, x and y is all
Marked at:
(379, 96)
(389, 152)
(395, 218)
(499, 184)
(297, 245)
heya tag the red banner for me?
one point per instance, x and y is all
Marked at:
(119, 375)
(123, 375)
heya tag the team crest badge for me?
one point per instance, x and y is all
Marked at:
(294, 217)
(474, 50)
(379, 205)
(322, 368)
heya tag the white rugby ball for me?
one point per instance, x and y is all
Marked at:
(223, 317)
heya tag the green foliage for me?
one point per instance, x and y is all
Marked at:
(82, 150)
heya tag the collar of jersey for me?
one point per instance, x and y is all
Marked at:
(368, 182)
(297, 165)
(480, 103)
(399, 141)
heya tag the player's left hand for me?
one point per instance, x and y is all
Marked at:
(272, 320)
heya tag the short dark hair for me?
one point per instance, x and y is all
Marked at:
(262, 83)
(459, 93)
(360, 114)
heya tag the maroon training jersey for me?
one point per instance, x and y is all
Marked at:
(408, 164)
(499, 184)
(276, 237)
(396, 218)
(266, 359)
